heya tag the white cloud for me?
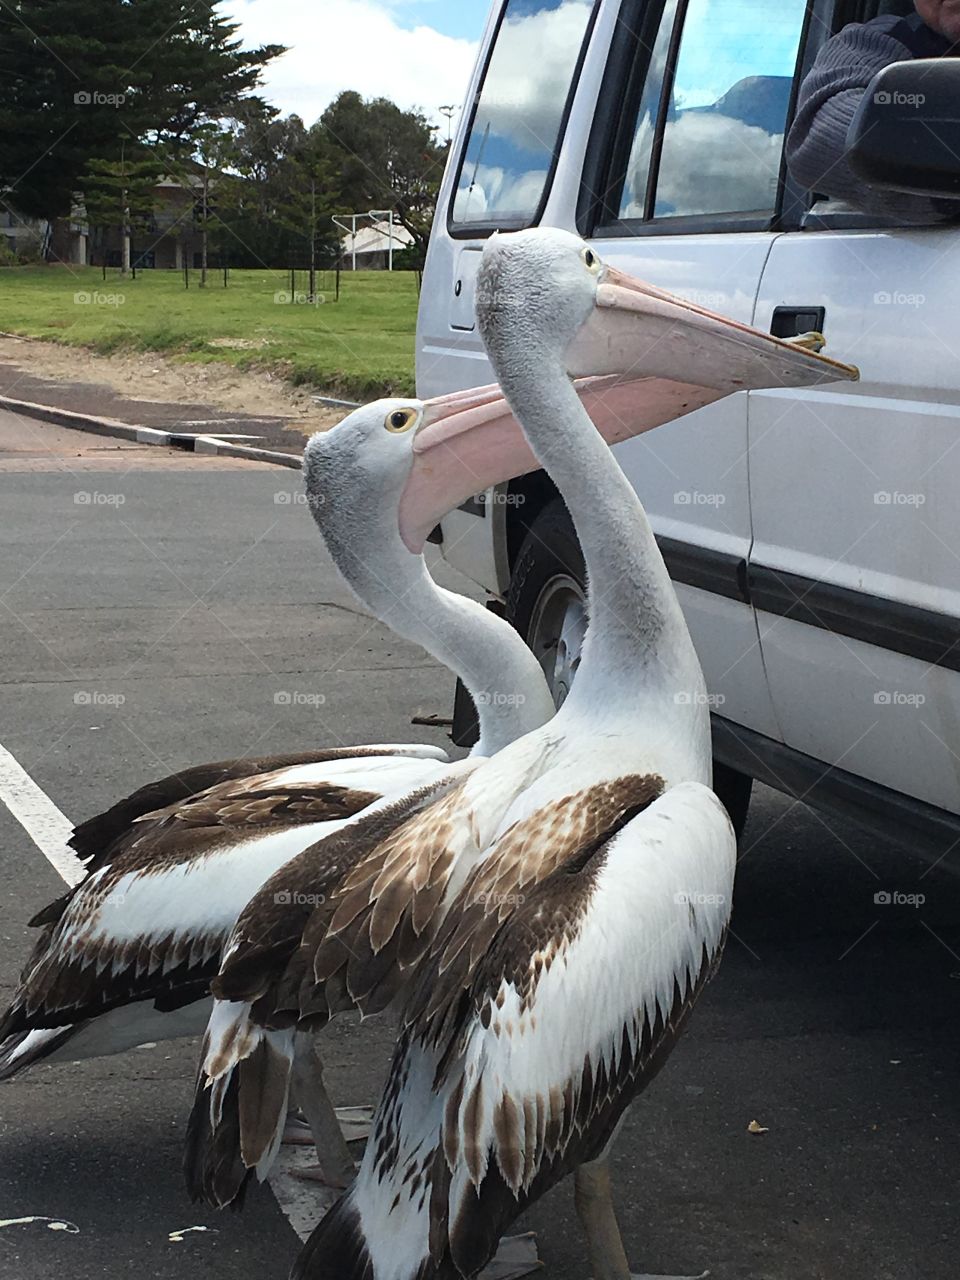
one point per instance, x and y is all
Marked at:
(531, 71)
(714, 164)
(353, 44)
(509, 194)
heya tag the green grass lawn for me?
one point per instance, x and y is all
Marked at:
(359, 347)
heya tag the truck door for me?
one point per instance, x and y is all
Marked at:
(855, 568)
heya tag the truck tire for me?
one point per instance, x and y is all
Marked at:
(546, 602)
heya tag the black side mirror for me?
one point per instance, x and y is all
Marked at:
(906, 133)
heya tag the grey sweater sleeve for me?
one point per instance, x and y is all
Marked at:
(828, 101)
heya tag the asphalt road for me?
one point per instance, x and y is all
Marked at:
(199, 597)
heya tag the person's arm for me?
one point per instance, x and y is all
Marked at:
(829, 97)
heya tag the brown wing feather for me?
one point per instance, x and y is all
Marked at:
(64, 979)
(564, 835)
(151, 827)
(371, 936)
(253, 803)
(386, 913)
(92, 839)
(85, 979)
(273, 933)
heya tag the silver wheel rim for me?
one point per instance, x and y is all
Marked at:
(558, 625)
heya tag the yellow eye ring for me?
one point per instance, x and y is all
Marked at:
(400, 420)
(591, 260)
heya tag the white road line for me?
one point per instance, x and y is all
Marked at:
(43, 822)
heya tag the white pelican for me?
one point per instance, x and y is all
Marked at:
(570, 898)
(376, 485)
(127, 955)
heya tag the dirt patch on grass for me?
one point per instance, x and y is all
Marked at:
(158, 379)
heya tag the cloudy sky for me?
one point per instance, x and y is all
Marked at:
(419, 53)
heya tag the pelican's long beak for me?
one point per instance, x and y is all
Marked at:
(651, 357)
(470, 440)
(638, 330)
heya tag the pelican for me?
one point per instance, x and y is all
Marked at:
(127, 955)
(376, 485)
(565, 904)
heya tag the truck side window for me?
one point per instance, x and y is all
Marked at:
(516, 125)
(712, 124)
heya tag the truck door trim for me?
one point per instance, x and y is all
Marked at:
(915, 632)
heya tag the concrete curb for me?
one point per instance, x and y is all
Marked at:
(188, 441)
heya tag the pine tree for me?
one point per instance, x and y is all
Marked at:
(122, 193)
(81, 78)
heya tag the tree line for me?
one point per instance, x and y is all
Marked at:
(101, 99)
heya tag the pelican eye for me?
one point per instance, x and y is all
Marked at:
(400, 419)
(591, 260)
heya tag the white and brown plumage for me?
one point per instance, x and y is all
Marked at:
(356, 476)
(128, 954)
(375, 497)
(567, 914)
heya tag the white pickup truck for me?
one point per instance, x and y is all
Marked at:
(814, 536)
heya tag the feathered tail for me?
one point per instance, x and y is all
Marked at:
(240, 1106)
(336, 1249)
(24, 1049)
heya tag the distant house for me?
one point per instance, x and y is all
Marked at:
(369, 249)
(23, 236)
(171, 238)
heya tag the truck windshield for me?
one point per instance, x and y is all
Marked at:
(516, 125)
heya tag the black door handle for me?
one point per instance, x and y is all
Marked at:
(788, 322)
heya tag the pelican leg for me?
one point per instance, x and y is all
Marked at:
(335, 1165)
(356, 1124)
(594, 1204)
